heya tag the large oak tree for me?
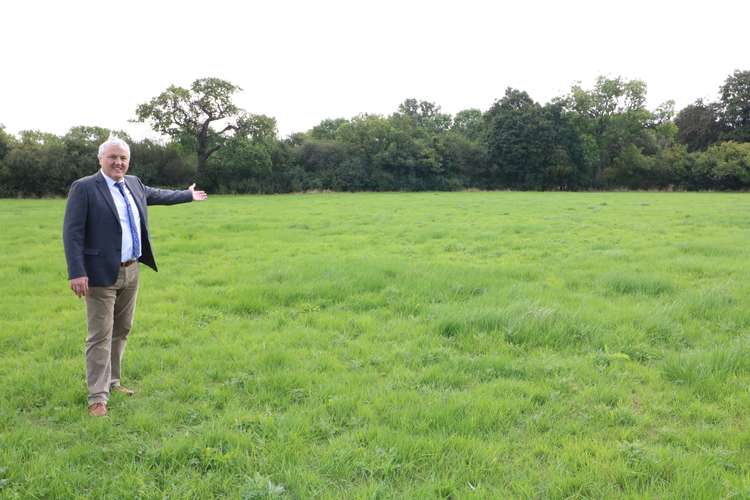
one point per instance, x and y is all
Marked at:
(203, 114)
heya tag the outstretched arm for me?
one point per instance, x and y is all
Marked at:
(155, 196)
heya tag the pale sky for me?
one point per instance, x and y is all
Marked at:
(68, 63)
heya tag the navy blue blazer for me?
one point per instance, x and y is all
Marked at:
(92, 234)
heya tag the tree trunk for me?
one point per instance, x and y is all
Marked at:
(203, 154)
(200, 172)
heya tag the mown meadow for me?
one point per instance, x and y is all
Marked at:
(415, 345)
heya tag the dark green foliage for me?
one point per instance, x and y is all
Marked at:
(326, 166)
(469, 123)
(326, 130)
(726, 165)
(735, 106)
(532, 147)
(598, 138)
(243, 165)
(6, 142)
(516, 141)
(169, 165)
(698, 125)
(35, 165)
(81, 149)
(464, 159)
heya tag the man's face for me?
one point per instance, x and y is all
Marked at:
(114, 161)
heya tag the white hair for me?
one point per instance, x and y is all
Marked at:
(113, 140)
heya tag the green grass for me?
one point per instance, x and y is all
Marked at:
(433, 345)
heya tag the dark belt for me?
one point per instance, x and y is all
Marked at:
(128, 262)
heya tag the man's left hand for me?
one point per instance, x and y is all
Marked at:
(197, 195)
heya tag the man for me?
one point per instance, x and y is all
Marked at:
(105, 235)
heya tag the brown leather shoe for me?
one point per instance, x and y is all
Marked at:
(124, 390)
(98, 410)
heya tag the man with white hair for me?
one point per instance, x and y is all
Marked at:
(105, 234)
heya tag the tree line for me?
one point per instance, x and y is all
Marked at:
(602, 137)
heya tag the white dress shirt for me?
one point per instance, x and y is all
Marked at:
(122, 212)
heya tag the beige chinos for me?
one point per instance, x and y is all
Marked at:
(109, 311)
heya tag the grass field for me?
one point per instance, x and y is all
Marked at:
(434, 345)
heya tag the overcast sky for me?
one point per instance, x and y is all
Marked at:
(68, 63)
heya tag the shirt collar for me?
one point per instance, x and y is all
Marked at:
(110, 181)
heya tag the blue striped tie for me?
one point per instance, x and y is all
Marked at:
(131, 222)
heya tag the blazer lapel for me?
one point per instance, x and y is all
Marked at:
(137, 198)
(102, 185)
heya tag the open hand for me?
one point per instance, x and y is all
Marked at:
(197, 195)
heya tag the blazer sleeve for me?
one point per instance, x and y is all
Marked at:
(74, 229)
(156, 196)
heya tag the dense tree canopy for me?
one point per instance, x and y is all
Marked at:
(601, 137)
